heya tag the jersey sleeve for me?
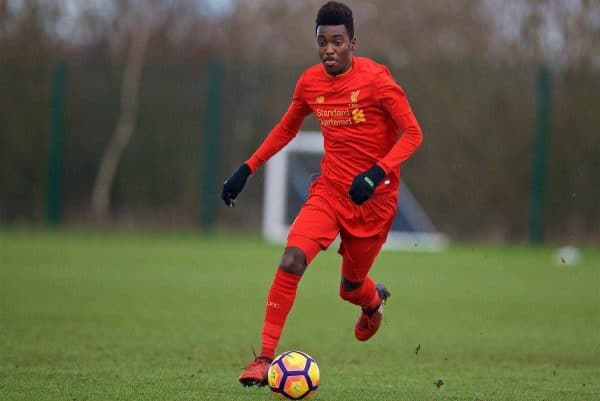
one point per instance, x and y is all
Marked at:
(392, 99)
(284, 131)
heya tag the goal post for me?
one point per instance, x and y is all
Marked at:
(288, 176)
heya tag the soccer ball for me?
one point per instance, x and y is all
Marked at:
(294, 375)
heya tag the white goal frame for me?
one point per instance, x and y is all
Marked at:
(275, 228)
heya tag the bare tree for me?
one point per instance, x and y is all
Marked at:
(125, 125)
(560, 33)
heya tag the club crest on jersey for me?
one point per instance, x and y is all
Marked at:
(320, 100)
(354, 96)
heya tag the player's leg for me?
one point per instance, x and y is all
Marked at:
(280, 299)
(358, 255)
(365, 229)
(314, 229)
(282, 293)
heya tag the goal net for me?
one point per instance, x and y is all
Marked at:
(288, 176)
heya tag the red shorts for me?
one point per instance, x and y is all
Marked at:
(363, 229)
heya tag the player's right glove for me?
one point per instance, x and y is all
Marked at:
(234, 185)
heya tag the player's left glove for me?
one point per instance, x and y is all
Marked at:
(364, 184)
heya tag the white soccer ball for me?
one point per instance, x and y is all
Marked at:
(567, 256)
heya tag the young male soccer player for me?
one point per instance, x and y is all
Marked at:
(369, 130)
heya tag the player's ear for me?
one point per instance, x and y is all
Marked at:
(353, 44)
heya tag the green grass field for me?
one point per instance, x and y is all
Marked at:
(105, 316)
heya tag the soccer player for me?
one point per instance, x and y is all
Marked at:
(369, 130)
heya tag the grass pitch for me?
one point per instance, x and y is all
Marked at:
(104, 316)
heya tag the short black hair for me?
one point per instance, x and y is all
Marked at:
(336, 13)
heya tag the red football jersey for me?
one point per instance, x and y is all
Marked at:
(364, 116)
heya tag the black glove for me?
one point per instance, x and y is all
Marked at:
(234, 185)
(364, 184)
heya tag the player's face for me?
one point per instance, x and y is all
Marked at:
(335, 48)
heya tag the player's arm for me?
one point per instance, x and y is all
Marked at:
(392, 99)
(284, 131)
(280, 135)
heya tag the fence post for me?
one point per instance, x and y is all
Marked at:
(56, 143)
(209, 187)
(540, 150)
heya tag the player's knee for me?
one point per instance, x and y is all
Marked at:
(349, 290)
(348, 285)
(293, 261)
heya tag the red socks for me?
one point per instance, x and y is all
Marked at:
(281, 298)
(279, 302)
(365, 295)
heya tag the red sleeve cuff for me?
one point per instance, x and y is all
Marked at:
(254, 163)
(384, 167)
